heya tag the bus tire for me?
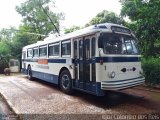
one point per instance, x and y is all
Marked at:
(66, 82)
(29, 73)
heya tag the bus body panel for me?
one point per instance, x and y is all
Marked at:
(123, 79)
(48, 72)
(90, 73)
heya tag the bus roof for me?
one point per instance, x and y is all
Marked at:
(104, 27)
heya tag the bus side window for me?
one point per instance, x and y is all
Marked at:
(43, 51)
(50, 51)
(29, 53)
(81, 49)
(87, 48)
(56, 50)
(35, 52)
(66, 48)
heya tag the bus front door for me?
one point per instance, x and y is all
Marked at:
(85, 67)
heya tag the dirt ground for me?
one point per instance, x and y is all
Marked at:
(40, 100)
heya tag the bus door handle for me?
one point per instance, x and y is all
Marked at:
(76, 60)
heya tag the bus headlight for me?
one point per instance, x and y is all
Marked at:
(112, 74)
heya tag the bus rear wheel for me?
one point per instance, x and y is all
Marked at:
(29, 73)
(66, 82)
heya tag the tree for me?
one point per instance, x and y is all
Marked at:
(38, 17)
(4, 55)
(7, 34)
(6, 37)
(145, 17)
(71, 29)
(106, 16)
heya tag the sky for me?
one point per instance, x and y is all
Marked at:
(77, 12)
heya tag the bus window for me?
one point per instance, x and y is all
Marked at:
(80, 49)
(29, 52)
(50, 51)
(135, 47)
(66, 48)
(129, 46)
(35, 52)
(112, 45)
(75, 49)
(54, 49)
(43, 51)
(12, 63)
(119, 44)
(93, 45)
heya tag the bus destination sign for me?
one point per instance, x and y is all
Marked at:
(120, 29)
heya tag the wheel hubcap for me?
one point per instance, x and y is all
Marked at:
(65, 81)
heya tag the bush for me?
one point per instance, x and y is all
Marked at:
(151, 68)
(3, 65)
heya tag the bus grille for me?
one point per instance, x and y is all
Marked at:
(121, 84)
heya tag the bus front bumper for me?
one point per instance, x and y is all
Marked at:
(122, 84)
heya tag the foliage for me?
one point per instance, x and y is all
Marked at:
(71, 29)
(7, 34)
(4, 55)
(11, 45)
(106, 16)
(20, 40)
(145, 17)
(38, 17)
(151, 68)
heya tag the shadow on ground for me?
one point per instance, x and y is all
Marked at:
(111, 100)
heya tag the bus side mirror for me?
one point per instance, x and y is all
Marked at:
(100, 41)
(101, 52)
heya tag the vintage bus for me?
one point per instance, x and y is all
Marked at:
(94, 59)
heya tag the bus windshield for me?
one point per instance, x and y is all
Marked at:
(119, 44)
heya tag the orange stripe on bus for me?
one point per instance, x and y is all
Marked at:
(42, 61)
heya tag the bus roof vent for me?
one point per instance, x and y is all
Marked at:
(100, 26)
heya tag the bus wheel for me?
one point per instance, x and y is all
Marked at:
(66, 82)
(29, 73)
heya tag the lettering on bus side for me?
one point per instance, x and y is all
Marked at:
(43, 61)
(42, 66)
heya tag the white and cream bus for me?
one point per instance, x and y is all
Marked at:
(94, 59)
